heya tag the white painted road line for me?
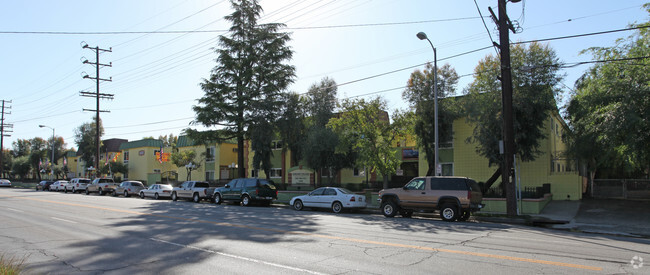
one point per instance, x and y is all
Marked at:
(63, 220)
(15, 210)
(239, 257)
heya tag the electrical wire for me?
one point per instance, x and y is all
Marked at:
(496, 50)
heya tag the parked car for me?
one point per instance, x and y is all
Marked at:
(5, 183)
(101, 186)
(127, 188)
(79, 184)
(157, 191)
(455, 197)
(334, 198)
(195, 190)
(44, 185)
(246, 191)
(58, 185)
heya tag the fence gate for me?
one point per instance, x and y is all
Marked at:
(622, 188)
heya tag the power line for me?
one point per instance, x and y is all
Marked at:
(486, 27)
(582, 35)
(216, 31)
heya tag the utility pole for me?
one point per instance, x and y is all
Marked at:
(507, 173)
(3, 130)
(97, 95)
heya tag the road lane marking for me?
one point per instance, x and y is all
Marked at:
(238, 257)
(424, 248)
(63, 220)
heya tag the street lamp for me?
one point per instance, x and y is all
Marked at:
(51, 160)
(423, 36)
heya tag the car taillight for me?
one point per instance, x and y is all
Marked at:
(165, 191)
(205, 191)
(469, 194)
(77, 185)
(129, 189)
(353, 199)
(257, 191)
(276, 193)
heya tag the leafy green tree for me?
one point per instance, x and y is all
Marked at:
(21, 147)
(85, 138)
(249, 76)
(320, 145)
(184, 158)
(114, 167)
(365, 126)
(609, 114)
(21, 167)
(291, 125)
(536, 79)
(419, 94)
(59, 148)
(7, 160)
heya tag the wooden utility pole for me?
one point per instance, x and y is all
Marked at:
(4, 128)
(98, 96)
(507, 172)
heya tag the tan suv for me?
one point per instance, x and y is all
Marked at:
(455, 197)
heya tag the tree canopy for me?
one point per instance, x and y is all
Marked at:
(536, 79)
(609, 114)
(244, 87)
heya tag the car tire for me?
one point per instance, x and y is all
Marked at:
(217, 198)
(389, 208)
(155, 196)
(337, 207)
(245, 200)
(449, 212)
(142, 195)
(174, 196)
(126, 194)
(87, 192)
(65, 190)
(465, 216)
(196, 198)
(406, 213)
(297, 205)
(74, 190)
(100, 192)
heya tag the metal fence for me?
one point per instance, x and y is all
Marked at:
(621, 188)
(527, 192)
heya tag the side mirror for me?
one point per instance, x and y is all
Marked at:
(405, 188)
(227, 186)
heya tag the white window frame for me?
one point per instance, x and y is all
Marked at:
(211, 151)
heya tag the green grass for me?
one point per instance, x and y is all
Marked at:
(11, 265)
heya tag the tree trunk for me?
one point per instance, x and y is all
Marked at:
(491, 180)
(385, 181)
(240, 156)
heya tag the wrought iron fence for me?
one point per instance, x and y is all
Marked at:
(527, 192)
(621, 188)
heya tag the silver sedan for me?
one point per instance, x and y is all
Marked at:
(157, 191)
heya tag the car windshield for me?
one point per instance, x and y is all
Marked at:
(137, 184)
(345, 191)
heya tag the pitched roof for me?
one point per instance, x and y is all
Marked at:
(113, 144)
(185, 141)
(141, 143)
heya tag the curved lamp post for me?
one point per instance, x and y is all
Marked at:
(51, 160)
(423, 36)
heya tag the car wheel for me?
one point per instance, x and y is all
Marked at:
(142, 195)
(217, 198)
(297, 205)
(465, 216)
(337, 207)
(126, 194)
(448, 212)
(389, 208)
(406, 213)
(73, 190)
(196, 198)
(155, 196)
(65, 190)
(100, 192)
(87, 192)
(174, 196)
(245, 200)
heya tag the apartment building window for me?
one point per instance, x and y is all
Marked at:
(275, 173)
(254, 174)
(210, 154)
(126, 156)
(157, 171)
(209, 175)
(447, 169)
(358, 172)
(276, 145)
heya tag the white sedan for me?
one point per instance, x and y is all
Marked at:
(157, 191)
(58, 185)
(329, 197)
(5, 183)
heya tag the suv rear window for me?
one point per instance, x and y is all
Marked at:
(202, 184)
(448, 184)
(84, 181)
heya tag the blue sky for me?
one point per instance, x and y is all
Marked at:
(156, 76)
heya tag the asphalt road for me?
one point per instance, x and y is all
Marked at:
(60, 233)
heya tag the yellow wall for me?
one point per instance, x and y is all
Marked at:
(140, 166)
